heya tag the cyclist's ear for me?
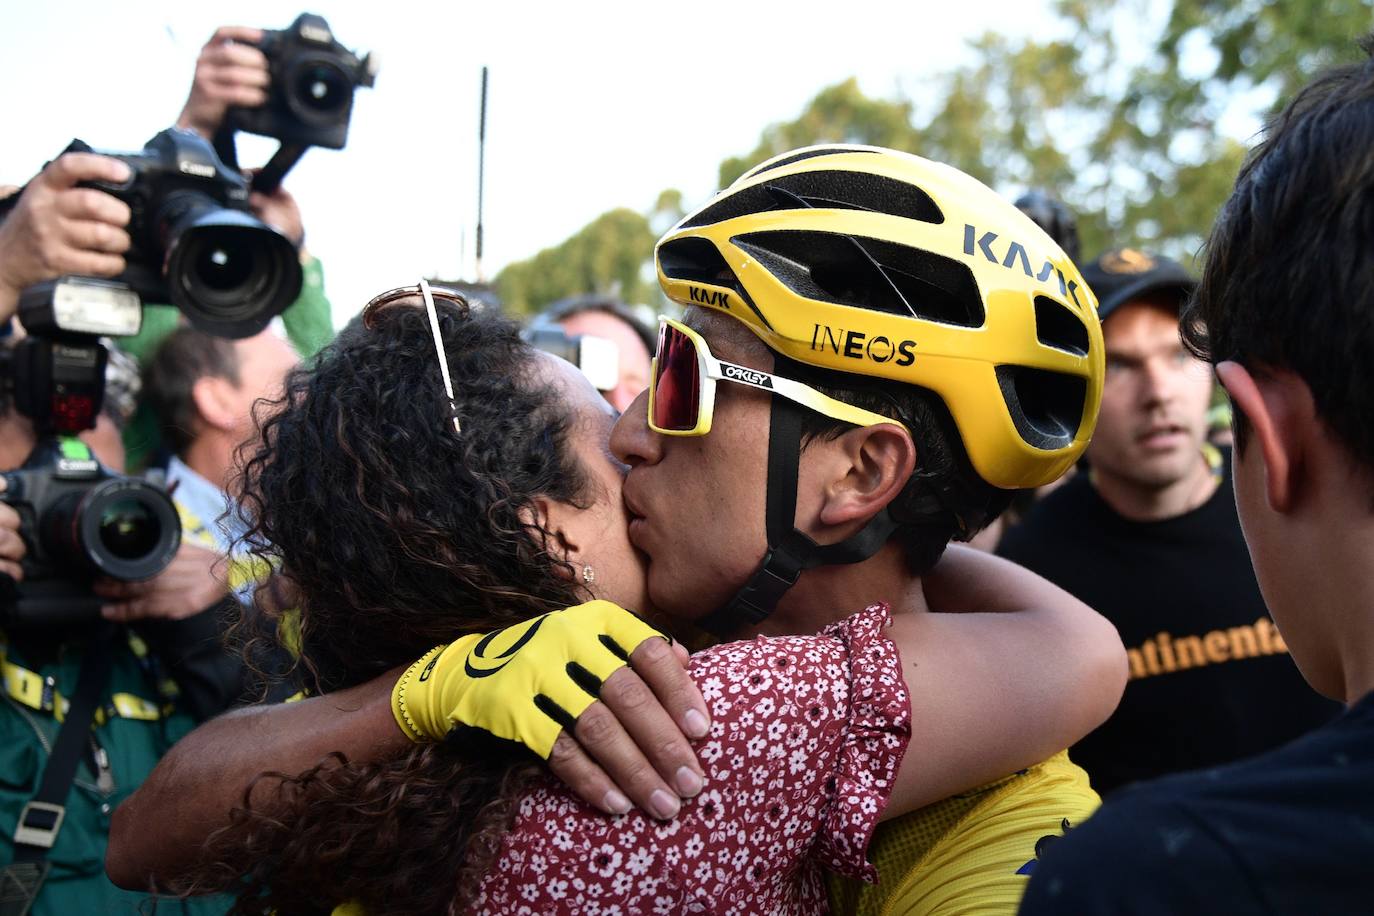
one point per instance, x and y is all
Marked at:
(857, 474)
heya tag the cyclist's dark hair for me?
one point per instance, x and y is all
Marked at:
(1288, 279)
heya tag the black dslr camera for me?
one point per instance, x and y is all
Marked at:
(313, 80)
(194, 242)
(78, 519)
(310, 100)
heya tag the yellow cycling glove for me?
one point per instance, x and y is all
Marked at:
(525, 683)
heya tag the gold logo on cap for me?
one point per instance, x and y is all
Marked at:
(1127, 261)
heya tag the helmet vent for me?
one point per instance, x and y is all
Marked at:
(869, 274)
(1046, 407)
(826, 190)
(806, 154)
(1056, 326)
(696, 259)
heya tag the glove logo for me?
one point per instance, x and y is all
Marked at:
(429, 669)
(475, 665)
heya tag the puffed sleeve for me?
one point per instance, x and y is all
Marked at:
(875, 740)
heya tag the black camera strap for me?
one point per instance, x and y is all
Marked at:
(42, 817)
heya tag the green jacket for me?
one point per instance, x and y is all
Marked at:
(140, 720)
(309, 326)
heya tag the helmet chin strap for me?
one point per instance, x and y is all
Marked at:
(789, 550)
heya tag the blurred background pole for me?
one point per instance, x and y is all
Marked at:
(481, 171)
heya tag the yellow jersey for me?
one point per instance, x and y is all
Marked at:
(972, 853)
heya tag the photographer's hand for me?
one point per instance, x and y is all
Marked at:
(12, 546)
(279, 210)
(186, 587)
(57, 228)
(229, 71)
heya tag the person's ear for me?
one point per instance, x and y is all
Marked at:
(1278, 409)
(556, 519)
(868, 468)
(214, 400)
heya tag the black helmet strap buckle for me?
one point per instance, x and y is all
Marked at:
(789, 550)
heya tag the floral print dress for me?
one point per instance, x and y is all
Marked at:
(807, 734)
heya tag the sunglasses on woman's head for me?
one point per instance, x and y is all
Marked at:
(682, 386)
(396, 298)
(423, 290)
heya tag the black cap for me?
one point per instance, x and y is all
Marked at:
(1121, 274)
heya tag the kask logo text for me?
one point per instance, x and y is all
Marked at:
(1016, 257)
(709, 296)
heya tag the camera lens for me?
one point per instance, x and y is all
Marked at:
(227, 271)
(121, 527)
(129, 529)
(318, 91)
(225, 267)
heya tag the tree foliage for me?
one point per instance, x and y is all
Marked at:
(1137, 115)
(839, 114)
(605, 256)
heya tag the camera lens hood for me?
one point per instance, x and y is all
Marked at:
(230, 273)
(127, 529)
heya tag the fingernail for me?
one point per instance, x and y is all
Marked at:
(664, 806)
(697, 726)
(121, 171)
(616, 803)
(688, 782)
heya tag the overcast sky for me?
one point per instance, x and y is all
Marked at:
(591, 106)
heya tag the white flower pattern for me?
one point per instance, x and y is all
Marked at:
(807, 737)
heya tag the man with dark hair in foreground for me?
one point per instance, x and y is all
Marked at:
(1284, 312)
(1149, 537)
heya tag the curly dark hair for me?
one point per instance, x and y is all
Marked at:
(398, 534)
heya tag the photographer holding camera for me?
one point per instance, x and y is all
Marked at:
(149, 683)
(110, 625)
(59, 228)
(233, 73)
(128, 692)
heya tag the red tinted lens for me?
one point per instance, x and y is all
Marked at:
(677, 386)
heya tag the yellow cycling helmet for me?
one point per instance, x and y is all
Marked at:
(870, 261)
